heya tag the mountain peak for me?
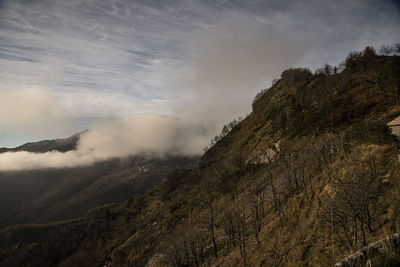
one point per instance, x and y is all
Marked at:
(58, 144)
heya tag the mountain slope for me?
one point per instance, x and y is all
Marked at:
(45, 195)
(310, 176)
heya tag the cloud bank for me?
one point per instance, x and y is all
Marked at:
(150, 135)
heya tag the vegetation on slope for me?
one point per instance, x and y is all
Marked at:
(310, 176)
(46, 195)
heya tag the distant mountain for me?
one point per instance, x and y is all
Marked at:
(61, 145)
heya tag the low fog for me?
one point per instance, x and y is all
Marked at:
(150, 135)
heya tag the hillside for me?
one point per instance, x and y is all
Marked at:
(310, 176)
(46, 195)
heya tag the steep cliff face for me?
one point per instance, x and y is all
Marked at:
(310, 176)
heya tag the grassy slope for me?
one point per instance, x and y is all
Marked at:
(333, 130)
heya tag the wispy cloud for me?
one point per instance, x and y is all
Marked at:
(135, 47)
(101, 46)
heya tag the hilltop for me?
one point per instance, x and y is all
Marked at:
(60, 144)
(309, 176)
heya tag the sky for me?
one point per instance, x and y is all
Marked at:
(66, 66)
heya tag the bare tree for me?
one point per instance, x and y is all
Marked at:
(242, 230)
(256, 201)
(386, 50)
(208, 222)
(229, 226)
(353, 202)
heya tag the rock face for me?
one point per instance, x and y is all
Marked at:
(265, 155)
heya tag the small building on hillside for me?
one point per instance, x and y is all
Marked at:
(394, 125)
